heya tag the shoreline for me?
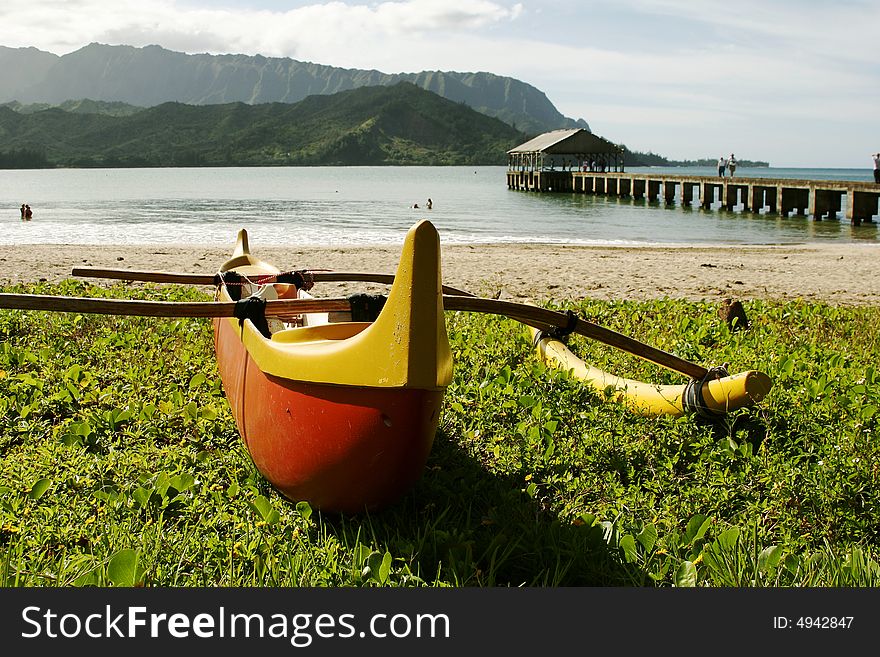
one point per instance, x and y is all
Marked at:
(839, 274)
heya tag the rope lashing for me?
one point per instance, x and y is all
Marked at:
(558, 332)
(562, 332)
(302, 279)
(254, 309)
(366, 307)
(692, 398)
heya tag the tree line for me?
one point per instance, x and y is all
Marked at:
(23, 158)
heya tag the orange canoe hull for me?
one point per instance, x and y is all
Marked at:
(340, 448)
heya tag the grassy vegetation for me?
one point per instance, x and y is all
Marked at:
(398, 125)
(120, 462)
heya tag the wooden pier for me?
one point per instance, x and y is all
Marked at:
(782, 196)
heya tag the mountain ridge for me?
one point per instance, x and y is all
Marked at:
(153, 75)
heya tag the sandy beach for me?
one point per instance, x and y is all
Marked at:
(843, 274)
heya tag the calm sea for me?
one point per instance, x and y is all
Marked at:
(373, 205)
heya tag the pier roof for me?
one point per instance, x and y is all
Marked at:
(575, 140)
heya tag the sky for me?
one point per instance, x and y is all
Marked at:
(792, 82)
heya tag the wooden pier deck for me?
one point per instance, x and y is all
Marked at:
(782, 196)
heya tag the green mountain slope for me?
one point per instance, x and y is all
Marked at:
(401, 125)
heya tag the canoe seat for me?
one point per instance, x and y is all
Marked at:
(338, 331)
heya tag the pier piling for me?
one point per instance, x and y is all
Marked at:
(783, 197)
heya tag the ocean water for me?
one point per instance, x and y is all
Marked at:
(373, 205)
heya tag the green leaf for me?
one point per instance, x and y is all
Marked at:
(71, 439)
(378, 566)
(527, 401)
(117, 417)
(686, 575)
(262, 506)
(304, 509)
(74, 373)
(39, 488)
(385, 568)
(360, 554)
(163, 481)
(87, 579)
(142, 496)
(648, 537)
(505, 375)
(587, 519)
(123, 569)
(182, 481)
(264, 509)
(787, 366)
(729, 539)
(83, 429)
(696, 528)
(769, 558)
(628, 545)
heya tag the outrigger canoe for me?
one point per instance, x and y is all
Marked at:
(340, 414)
(340, 408)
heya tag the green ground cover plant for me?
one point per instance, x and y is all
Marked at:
(120, 463)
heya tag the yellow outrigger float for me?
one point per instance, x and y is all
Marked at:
(714, 395)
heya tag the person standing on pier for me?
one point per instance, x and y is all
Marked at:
(731, 165)
(722, 164)
(876, 157)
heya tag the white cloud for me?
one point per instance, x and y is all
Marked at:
(841, 29)
(318, 28)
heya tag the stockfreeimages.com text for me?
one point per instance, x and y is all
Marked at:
(300, 629)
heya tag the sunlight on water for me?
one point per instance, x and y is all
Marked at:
(371, 205)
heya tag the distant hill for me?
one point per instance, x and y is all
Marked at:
(152, 75)
(637, 159)
(402, 124)
(81, 106)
